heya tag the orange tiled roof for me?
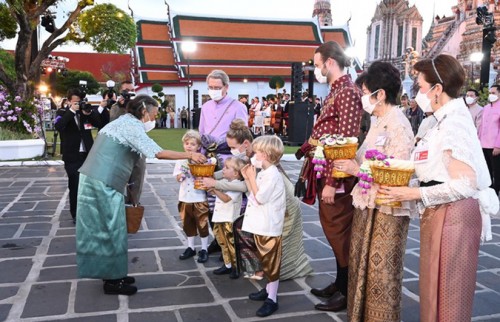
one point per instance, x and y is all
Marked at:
(252, 49)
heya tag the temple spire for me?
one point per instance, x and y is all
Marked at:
(323, 10)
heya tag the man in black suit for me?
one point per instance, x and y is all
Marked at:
(74, 126)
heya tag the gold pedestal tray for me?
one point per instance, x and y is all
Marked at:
(338, 152)
(390, 177)
(200, 171)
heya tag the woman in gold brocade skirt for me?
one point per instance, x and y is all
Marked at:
(378, 237)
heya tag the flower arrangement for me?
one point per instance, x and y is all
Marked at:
(20, 116)
(185, 173)
(324, 151)
(365, 173)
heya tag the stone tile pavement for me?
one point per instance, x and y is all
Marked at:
(38, 279)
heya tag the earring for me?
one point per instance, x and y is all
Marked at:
(435, 99)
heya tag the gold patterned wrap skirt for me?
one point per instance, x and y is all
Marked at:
(269, 253)
(223, 232)
(378, 243)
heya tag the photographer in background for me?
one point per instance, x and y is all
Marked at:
(108, 100)
(126, 94)
(137, 177)
(74, 124)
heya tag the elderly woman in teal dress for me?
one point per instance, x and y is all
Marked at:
(101, 228)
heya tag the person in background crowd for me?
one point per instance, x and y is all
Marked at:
(414, 115)
(405, 103)
(428, 123)
(184, 118)
(476, 110)
(489, 136)
(366, 117)
(454, 191)
(120, 107)
(74, 125)
(341, 115)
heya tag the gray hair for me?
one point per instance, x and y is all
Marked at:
(219, 74)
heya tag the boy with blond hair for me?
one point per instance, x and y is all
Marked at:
(265, 215)
(193, 205)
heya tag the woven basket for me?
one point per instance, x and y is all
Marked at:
(202, 170)
(390, 177)
(336, 152)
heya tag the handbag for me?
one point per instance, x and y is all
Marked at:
(134, 213)
(300, 186)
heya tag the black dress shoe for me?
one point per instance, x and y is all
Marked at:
(268, 308)
(234, 273)
(202, 256)
(258, 296)
(222, 270)
(118, 287)
(213, 247)
(325, 292)
(337, 302)
(128, 280)
(188, 253)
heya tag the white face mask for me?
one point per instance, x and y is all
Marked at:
(237, 153)
(215, 94)
(492, 98)
(319, 76)
(149, 125)
(365, 101)
(256, 163)
(424, 102)
(470, 100)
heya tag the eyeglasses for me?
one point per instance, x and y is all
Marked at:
(215, 88)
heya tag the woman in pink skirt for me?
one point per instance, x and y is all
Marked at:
(454, 183)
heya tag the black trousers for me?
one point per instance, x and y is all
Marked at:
(184, 123)
(493, 163)
(71, 168)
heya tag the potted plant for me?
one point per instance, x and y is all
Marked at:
(21, 132)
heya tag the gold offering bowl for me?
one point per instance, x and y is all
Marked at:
(338, 152)
(390, 177)
(199, 171)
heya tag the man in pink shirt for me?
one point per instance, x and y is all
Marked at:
(489, 135)
(215, 119)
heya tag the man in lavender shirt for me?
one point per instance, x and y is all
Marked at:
(215, 119)
(218, 113)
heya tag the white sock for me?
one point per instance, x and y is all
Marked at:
(204, 243)
(191, 242)
(272, 290)
(228, 265)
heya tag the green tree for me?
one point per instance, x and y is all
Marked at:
(276, 82)
(8, 25)
(7, 60)
(78, 27)
(72, 80)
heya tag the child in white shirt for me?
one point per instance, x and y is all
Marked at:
(227, 209)
(265, 215)
(193, 205)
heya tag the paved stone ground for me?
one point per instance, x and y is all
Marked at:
(38, 279)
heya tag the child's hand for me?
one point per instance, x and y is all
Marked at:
(244, 171)
(250, 172)
(180, 177)
(209, 182)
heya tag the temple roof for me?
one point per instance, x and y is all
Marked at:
(251, 49)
